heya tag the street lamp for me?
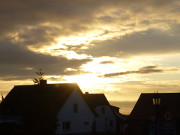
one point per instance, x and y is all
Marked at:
(156, 102)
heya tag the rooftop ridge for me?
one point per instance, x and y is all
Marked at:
(160, 93)
(46, 84)
(94, 94)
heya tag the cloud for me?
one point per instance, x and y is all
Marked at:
(125, 106)
(143, 70)
(38, 36)
(107, 62)
(17, 14)
(39, 23)
(74, 15)
(17, 62)
(152, 41)
(150, 86)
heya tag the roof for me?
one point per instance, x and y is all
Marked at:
(39, 103)
(144, 108)
(117, 113)
(94, 100)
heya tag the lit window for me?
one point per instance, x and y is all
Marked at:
(75, 108)
(66, 125)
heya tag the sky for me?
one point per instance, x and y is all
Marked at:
(121, 48)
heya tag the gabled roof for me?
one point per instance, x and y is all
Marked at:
(30, 98)
(38, 103)
(144, 108)
(94, 100)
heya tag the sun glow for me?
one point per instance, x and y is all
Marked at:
(86, 38)
(85, 80)
(88, 81)
(73, 40)
(111, 65)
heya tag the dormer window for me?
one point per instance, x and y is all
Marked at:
(75, 108)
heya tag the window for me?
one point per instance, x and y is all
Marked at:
(168, 116)
(75, 108)
(86, 123)
(111, 123)
(141, 123)
(103, 110)
(66, 125)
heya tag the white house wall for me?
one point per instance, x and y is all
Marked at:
(104, 120)
(80, 122)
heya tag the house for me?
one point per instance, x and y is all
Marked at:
(75, 116)
(87, 113)
(120, 119)
(156, 114)
(47, 109)
(34, 108)
(106, 122)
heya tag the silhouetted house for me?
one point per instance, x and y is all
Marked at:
(107, 120)
(120, 119)
(160, 118)
(55, 109)
(33, 109)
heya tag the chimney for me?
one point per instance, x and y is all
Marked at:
(43, 82)
(86, 93)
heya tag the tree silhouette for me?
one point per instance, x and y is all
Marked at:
(39, 78)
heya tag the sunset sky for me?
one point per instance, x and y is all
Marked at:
(121, 48)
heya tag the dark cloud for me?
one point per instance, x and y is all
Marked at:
(17, 14)
(107, 19)
(107, 62)
(38, 36)
(147, 42)
(17, 62)
(74, 15)
(38, 22)
(143, 70)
